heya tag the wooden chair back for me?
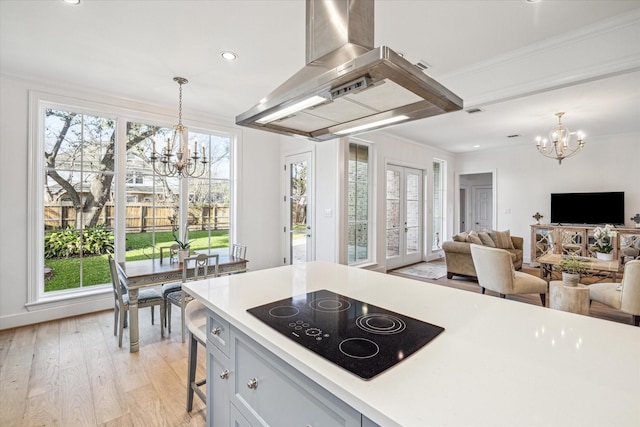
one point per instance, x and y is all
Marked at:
(203, 266)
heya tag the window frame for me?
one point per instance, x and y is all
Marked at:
(442, 192)
(39, 101)
(370, 211)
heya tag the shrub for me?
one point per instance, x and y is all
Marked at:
(68, 242)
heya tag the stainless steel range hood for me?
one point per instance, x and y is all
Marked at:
(347, 86)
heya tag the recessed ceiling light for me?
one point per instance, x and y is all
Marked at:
(532, 1)
(72, 1)
(229, 56)
(476, 146)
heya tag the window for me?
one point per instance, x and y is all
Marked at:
(439, 193)
(75, 194)
(358, 206)
(210, 195)
(153, 207)
(78, 185)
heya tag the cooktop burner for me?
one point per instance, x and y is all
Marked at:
(360, 337)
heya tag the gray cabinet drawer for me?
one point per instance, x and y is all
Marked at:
(219, 377)
(269, 392)
(218, 332)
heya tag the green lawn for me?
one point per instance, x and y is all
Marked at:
(66, 271)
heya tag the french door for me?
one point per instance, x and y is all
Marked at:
(404, 216)
(299, 211)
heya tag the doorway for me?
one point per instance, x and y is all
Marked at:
(299, 212)
(476, 201)
(404, 202)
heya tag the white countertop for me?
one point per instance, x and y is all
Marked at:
(498, 362)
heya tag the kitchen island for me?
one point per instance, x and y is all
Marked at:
(497, 363)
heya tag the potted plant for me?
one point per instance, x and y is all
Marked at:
(604, 242)
(184, 245)
(571, 269)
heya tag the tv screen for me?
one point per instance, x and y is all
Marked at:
(588, 208)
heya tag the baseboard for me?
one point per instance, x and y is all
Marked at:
(74, 308)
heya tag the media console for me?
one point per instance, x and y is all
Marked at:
(577, 240)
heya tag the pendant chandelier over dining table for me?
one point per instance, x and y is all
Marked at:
(183, 163)
(559, 145)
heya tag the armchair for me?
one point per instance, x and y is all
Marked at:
(624, 296)
(496, 273)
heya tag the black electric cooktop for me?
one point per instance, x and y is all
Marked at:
(360, 337)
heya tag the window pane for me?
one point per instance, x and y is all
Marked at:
(151, 201)
(78, 193)
(438, 203)
(210, 194)
(358, 204)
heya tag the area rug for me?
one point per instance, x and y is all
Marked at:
(426, 270)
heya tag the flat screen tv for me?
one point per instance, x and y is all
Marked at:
(588, 208)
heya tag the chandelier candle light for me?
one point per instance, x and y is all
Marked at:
(559, 144)
(182, 163)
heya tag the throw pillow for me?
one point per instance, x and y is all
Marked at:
(473, 238)
(502, 239)
(461, 237)
(486, 239)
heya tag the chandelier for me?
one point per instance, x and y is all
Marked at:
(559, 144)
(183, 163)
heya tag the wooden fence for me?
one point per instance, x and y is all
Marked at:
(141, 217)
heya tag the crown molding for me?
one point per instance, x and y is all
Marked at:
(599, 51)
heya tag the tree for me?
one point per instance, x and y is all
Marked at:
(84, 145)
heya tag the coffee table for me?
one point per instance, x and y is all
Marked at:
(549, 260)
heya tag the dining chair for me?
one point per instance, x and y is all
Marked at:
(239, 251)
(168, 288)
(171, 250)
(203, 266)
(496, 272)
(146, 298)
(196, 317)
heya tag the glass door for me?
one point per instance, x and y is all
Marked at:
(298, 229)
(404, 216)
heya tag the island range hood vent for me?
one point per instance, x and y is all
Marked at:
(347, 86)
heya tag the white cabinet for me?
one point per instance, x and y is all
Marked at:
(249, 386)
(268, 392)
(219, 376)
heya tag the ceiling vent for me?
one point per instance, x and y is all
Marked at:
(474, 110)
(422, 65)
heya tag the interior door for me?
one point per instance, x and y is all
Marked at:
(299, 212)
(404, 216)
(483, 208)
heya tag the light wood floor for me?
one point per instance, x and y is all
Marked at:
(71, 372)
(597, 310)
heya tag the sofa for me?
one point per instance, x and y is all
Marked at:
(457, 253)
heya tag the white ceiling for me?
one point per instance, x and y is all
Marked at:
(134, 48)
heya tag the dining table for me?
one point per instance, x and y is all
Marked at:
(155, 271)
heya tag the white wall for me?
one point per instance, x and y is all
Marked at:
(258, 197)
(525, 179)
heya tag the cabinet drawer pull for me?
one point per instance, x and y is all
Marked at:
(253, 383)
(224, 374)
(216, 330)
